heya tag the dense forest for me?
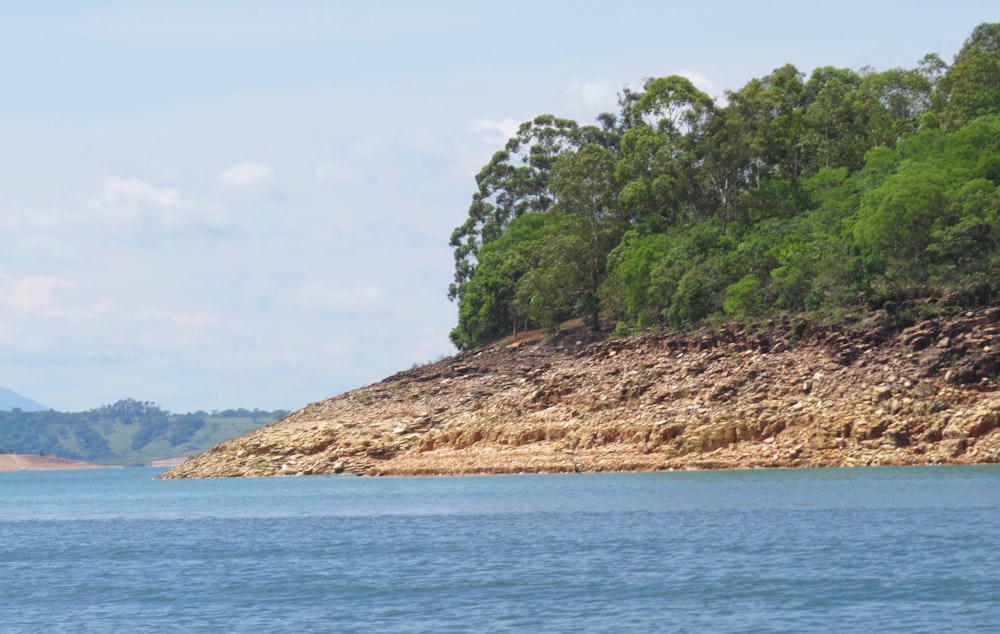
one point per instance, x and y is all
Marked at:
(830, 192)
(127, 432)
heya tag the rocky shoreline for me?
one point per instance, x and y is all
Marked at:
(788, 393)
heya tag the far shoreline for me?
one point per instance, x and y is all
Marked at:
(34, 462)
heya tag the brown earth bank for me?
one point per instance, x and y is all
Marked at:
(787, 393)
(28, 462)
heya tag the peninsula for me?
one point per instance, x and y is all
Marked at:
(781, 394)
(700, 232)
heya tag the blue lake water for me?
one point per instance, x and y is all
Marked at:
(818, 550)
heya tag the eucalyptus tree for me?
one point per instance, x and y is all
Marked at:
(515, 182)
(651, 168)
(771, 110)
(836, 132)
(972, 83)
(894, 102)
(588, 224)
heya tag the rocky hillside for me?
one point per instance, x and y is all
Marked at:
(783, 394)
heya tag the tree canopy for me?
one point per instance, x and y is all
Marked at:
(792, 193)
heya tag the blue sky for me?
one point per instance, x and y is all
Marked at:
(221, 204)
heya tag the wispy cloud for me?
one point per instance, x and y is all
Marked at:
(32, 294)
(494, 131)
(592, 96)
(246, 176)
(333, 172)
(702, 82)
(368, 148)
(125, 201)
(315, 294)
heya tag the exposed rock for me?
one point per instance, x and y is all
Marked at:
(779, 395)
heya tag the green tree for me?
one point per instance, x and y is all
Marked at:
(792, 195)
(894, 103)
(972, 83)
(671, 104)
(487, 309)
(835, 119)
(573, 265)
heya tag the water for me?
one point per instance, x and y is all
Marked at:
(826, 550)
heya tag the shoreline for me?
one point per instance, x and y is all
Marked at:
(32, 462)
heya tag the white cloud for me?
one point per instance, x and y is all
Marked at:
(592, 97)
(32, 294)
(125, 201)
(702, 82)
(485, 136)
(118, 202)
(367, 149)
(332, 172)
(495, 132)
(314, 294)
(246, 176)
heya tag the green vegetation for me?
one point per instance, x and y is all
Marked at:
(129, 432)
(841, 189)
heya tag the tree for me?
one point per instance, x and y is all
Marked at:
(515, 182)
(591, 225)
(670, 104)
(972, 83)
(627, 288)
(648, 196)
(772, 109)
(652, 151)
(836, 125)
(792, 195)
(930, 212)
(486, 309)
(894, 103)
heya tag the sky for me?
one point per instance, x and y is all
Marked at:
(216, 204)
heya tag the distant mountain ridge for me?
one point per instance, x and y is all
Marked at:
(9, 399)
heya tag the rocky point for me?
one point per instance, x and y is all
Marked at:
(787, 393)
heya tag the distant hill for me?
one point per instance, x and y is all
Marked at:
(9, 399)
(129, 432)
